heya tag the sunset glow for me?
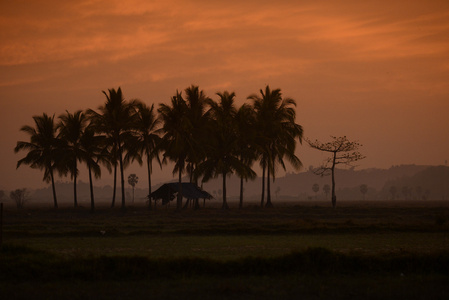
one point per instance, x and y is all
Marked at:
(375, 71)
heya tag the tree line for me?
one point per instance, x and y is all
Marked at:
(203, 137)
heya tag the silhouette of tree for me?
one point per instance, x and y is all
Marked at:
(44, 148)
(196, 102)
(278, 133)
(132, 181)
(419, 192)
(343, 152)
(393, 192)
(19, 197)
(2, 194)
(246, 134)
(146, 140)
(363, 190)
(176, 142)
(316, 188)
(405, 192)
(222, 157)
(326, 189)
(71, 128)
(277, 191)
(94, 151)
(116, 121)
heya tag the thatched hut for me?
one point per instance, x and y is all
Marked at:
(189, 190)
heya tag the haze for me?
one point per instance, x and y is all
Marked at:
(375, 71)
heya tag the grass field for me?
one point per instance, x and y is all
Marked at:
(370, 250)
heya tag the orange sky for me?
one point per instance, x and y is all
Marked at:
(375, 71)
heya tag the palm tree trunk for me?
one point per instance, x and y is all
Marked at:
(269, 204)
(149, 180)
(55, 201)
(75, 200)
(179, 200)
(225, 203)
(92, 202)
(122, 176)
(334, 197)
(263, 187)
(241, 192)
(115, 185)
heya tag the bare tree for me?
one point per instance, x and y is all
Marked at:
(19, 196)
(343, 152)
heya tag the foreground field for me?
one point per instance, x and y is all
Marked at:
(305, 250)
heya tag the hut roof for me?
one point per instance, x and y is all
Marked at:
(189, 190)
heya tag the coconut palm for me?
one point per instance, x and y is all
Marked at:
(246, 133)
(146, 139)
(44, 148)
(71, 127)
(222, 157)
(196, 101)
(176, 142)
(116, 121)
(278, 133)
(94, 151)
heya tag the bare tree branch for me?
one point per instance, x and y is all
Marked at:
(343, 152)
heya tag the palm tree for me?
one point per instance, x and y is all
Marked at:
(222, 157)
(94, 150)
(176, 142)
(245, 126)
(116, 121)
(132, 181)
(44, 148)
(196, 101)
(146, 140)
(278, 133)
(71, 128)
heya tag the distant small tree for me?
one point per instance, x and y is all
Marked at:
(132, 180)
(277, 191)
(418, 191)
(363, 190)
(316, 188)
(405, 192)
(343, 152)
(326, 189)
(393, 192)
(2, 194)
(19, 196)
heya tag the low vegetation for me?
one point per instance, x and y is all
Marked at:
(252, 253)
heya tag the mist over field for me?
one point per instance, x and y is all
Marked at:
(412, 182)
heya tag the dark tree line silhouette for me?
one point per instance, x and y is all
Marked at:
(205, 139)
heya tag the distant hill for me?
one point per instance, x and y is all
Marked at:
(348, 181)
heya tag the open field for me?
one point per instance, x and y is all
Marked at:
(308, 250)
